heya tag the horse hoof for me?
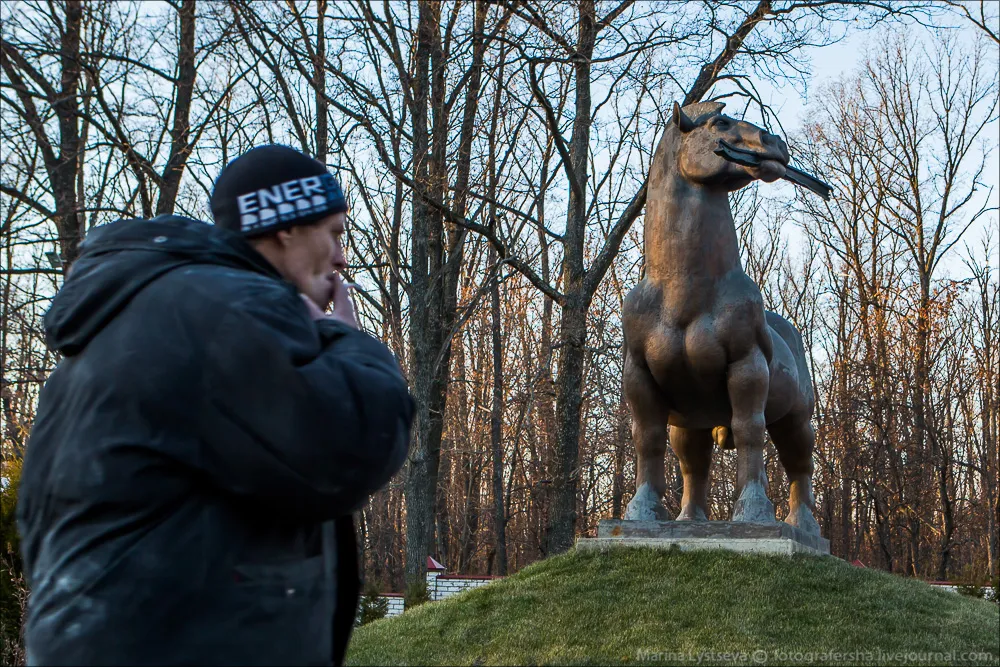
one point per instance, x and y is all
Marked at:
(753, 505)
(692, 513)
(646, 506)
(803, 519)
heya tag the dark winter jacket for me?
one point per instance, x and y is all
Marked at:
(196, 457)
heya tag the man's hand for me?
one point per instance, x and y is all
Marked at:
(314, 311)
(343, 307)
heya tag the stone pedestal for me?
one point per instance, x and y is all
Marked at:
(764, 538)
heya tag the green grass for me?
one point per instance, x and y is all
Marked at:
(634, 605)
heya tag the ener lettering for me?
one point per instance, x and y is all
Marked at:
(287, 201)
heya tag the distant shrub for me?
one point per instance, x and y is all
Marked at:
(416, 594)
(10, 541)
(974, 584)
(373, 606)
(13, 590)
(971, 590)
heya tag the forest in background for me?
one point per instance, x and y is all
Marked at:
(494, 155)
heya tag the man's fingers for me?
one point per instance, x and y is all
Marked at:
(314, 311)
(343, 306)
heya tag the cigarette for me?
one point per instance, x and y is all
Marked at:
(353, 286)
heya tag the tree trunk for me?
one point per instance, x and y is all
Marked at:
(624, 442)
(319, 84)
(496, 335)
(569, 399)
(543, 468)
(573, 329)
(922, 393)
(496, 424)
(180, 147)
(425, 452)
(63, 173)
(436, 268)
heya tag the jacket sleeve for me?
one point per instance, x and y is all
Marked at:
(311, 417)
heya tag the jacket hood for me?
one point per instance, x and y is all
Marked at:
(118, 260)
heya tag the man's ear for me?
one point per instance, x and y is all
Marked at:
(284, 237)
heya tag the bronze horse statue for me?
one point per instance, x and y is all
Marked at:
(703, 358)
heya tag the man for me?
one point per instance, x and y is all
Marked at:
(188, 486)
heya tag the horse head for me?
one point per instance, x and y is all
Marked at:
(698, 130)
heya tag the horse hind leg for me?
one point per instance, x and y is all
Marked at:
(794, 439)
(694, 450)
(649, 434)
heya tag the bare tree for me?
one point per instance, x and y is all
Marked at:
(932, 191)
(982, 14)
(905, 141)
(30, 74)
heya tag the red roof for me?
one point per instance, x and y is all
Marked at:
(858, 563)
(433, 565)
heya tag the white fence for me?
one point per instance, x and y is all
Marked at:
(987, 591)
(439, 586)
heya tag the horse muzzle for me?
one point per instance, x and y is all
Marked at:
(776, 153)
(756, 160)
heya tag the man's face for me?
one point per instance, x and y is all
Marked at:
(312, 254)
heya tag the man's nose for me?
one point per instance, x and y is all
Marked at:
(339, 260)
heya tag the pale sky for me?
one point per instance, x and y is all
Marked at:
(832, 62)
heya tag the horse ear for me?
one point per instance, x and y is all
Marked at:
(681, 120)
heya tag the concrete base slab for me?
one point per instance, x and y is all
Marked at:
(767, 538)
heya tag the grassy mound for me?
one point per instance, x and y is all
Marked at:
(642, 605)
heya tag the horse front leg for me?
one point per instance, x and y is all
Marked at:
(747, 385)
(649, 434)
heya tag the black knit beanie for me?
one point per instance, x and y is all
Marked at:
(270, 188)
